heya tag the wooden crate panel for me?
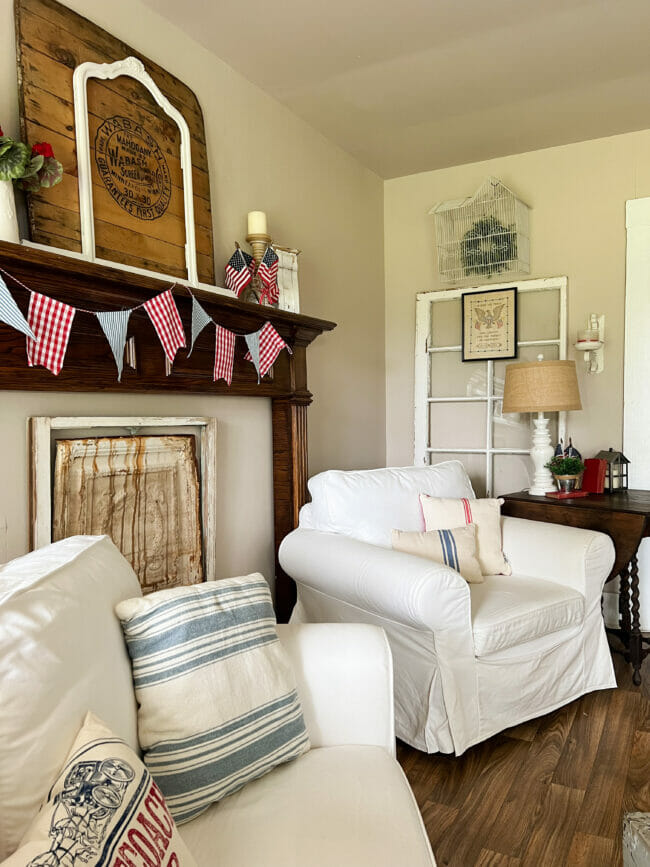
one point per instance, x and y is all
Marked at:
(135, 147)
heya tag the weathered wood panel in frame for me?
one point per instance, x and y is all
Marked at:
(142, 491)
(45, 431)
(51, 41)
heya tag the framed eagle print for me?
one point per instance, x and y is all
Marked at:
(489, 324)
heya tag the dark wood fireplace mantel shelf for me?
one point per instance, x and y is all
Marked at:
(89, 364)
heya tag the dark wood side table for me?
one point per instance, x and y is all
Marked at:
(625, 517)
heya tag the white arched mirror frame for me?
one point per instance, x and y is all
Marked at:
(133, 68)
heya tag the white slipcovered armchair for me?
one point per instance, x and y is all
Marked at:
(470, 660)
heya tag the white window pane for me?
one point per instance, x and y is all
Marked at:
(474, 464)
(511, 473)
(451, 377)
(457, 425)
(445, 323)
(538, 315)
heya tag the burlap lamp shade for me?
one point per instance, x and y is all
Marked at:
(541, 386)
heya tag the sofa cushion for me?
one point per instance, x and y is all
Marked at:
(348, 806)
(508, 610)
(368, 504)
(442, 513)
(61, 654)
(102, 808)
(453, 548)
(218, 705)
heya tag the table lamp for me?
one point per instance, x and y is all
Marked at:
(541, 386)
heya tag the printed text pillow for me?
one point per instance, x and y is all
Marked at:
(103, 809)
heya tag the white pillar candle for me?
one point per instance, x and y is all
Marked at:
(257, 223)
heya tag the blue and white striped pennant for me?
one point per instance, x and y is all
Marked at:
(199, 320)
(10, 312)
(114, 324)
(253, 343)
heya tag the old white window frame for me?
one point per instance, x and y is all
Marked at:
(423, 452)
(133, 68)
(42, 428)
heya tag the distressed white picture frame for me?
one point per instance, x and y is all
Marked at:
(133, 68)
(42, 429)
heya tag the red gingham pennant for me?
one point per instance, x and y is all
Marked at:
(224, 354)
(164, 316)
(271, 345)
(51, 322)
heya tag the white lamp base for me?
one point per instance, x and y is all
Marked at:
(541, 453)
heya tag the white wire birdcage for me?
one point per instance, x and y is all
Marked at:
(484, 235)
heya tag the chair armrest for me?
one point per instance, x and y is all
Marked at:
(344, 673)
(581, 559)
(402, 587)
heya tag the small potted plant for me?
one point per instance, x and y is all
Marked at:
(31, 169)
(567, 471)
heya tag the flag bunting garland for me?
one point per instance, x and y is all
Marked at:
(10, 312)
(264, 348)
(164, 317)
(49, 324)
(224, 354)
(253, 354)
(199, 320)
(114, 324)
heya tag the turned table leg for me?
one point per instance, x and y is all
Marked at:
(624, 603)
(635, 641)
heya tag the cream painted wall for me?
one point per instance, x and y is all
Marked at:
(319, 199)
(577, 194)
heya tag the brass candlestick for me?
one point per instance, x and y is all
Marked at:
(258, 242)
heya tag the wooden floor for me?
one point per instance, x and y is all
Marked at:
(548, 793)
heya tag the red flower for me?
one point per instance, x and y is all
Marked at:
(1, 132)
(44, 149)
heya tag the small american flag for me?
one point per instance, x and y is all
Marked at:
(270, 345)
(239, 271)
(50, 322)
(268, 274)
(224, 354)
(164, 317)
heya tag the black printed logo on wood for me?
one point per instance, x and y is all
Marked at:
(133, 168)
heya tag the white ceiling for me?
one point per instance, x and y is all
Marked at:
(411, 85)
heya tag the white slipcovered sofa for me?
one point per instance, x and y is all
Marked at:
(469, 660)
(345, 802)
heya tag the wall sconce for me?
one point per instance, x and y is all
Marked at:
(591, 341)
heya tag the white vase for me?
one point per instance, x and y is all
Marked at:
(8, 218)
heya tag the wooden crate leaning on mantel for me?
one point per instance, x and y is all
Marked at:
(51, 41)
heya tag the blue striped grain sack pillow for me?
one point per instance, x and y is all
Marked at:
(217, 696)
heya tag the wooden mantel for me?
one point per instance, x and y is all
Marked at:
(89, 365)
